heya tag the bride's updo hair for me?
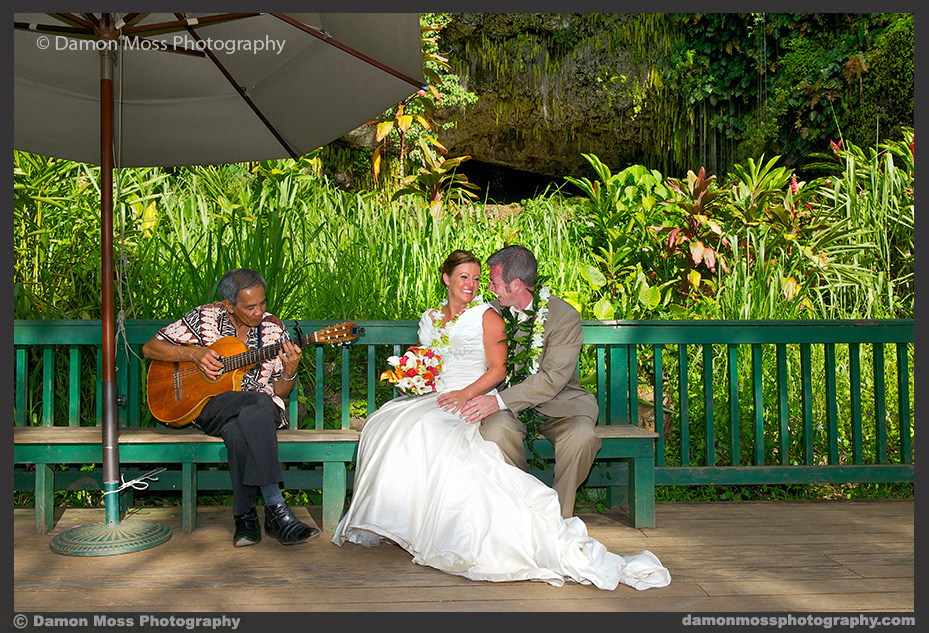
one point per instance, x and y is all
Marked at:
(457, 258)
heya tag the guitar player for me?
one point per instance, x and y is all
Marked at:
(246, 420)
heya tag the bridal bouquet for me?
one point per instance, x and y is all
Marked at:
(416, 372)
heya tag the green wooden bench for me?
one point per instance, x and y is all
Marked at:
(56, 435)
(800, 425)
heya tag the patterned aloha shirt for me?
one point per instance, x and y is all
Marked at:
(208, 323)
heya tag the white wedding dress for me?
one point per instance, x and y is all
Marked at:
(431, 483)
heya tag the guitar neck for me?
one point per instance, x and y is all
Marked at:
(255, 356)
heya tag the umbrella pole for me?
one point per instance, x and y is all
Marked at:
(111, 536)
(110, 415)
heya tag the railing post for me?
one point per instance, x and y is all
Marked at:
(708, 406)
(832, 412)
(657, 351)
(806, 402)
(682, 385)
(880, 417)
(903, 404)
(782, 412)
(733, 357)
(854, 379)
(758, 403)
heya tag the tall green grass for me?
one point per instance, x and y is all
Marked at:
(329, 254)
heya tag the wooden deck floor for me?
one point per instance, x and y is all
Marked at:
(829, 556)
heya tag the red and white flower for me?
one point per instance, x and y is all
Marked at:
(416, 372)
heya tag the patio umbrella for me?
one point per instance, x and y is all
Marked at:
(193, 89)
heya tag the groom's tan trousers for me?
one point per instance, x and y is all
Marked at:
(575, 441)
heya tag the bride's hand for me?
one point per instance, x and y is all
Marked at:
(452, 400)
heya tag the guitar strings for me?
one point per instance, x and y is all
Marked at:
(252, 356)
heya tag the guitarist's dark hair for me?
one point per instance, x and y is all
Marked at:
(239, 279)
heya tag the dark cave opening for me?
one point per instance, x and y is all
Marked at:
(504, 185)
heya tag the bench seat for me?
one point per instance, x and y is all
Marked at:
(46, 446)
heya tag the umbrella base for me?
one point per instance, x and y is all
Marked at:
(104, 538)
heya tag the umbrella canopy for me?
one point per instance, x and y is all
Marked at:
(207, 88)
(160, 89)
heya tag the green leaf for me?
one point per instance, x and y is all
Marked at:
(593, 276)
(649, 296)
(694, 278)
(603, 310)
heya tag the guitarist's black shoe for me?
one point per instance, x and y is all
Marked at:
(281, 523)
(247, 529)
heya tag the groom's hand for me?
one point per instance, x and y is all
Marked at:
(479, 408)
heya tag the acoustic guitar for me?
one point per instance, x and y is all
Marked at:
(178, 391)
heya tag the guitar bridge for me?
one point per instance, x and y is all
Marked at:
(178, 395)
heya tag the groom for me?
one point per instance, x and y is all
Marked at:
(554, 390)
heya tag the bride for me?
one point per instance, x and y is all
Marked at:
(429, 482)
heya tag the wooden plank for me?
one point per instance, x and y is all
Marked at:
(633, 393)
(903, 403)
(684, 419)
(880, 418)
(832, 411)
(734, 475)
(708, 406)
(318, 393)
(145, 435)
(346, 402)
(618, 403)
(657, 372)
(19, 407)
(806, 568)
(674, 332)
(758, 404)
(74, 384)
(799, 586)
(783, 433)
(854, 379)
(806, 403)
(732, 355)
(48, 386)
(601, 377)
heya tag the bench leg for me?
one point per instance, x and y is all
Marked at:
(617, 495)
(642, 492)
(44, 498)
(188, 497)
(334, 488)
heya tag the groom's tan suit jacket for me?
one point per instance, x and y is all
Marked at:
(555, 390)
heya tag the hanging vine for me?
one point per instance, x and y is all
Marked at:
(708, 89)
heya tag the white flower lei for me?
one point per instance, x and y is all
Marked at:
(538, 330)
(440, 340)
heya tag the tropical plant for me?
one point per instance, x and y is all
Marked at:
(410, 125)
(874, 189)
(438, 182)
(619, 208)
(696, 240)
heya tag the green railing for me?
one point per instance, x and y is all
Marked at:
(762, 402)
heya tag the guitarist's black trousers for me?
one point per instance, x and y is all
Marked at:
(247, 421)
